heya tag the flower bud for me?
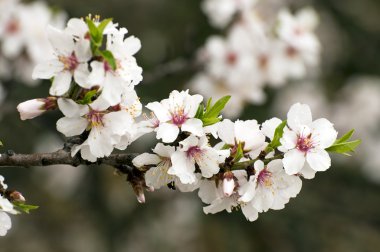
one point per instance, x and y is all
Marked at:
(228, 183)
(33, 108)
(16, 196)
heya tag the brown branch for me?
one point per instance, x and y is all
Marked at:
(61, 157)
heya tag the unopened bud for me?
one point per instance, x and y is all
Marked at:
(141, 197)
(16, 196)
(228, 183)
(33, 108)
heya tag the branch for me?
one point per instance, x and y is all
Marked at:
(61, 157)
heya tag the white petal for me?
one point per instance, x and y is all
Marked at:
(81, 74)
(269, 127)
(208, 162)
(194, 126)
(208, 191)
(47, 70)
(72, 109)
(113, 89)
(226, 132)
(319, 160)
(71, 126)
(5, 223)
(100, 142)
(289, 139)
(293, 161)
(248, 190)
(132, 45)
(307, 172)
(83, 50)
(61, 83)
(119, 122)
(250, 212)
(160, 111)
(97, 74)
(146, 159)
(167, 132)
(323, 133)
(164, 150)
(182, 167)
(299, 114)
(61, 41)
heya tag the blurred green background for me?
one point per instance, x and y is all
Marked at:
(91, 209)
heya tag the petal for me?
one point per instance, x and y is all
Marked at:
(167, 132)
(208, 162)
(319, 160)
(71, 126)
(189, 142)
(47, 70)
(100, 142)
(323, 133)
(182, 167)
(81, 74)
(146, 159)
(269, 127)
(250, 212)
(61, 83)
(118, 123)
(289, 139)
(293, 161)
(164, 150)
(226, 130)
(194, 126)
(248, 190)
(249, 133)
(83, 50)
(132, 45)
(113, 89)
(299, 114)
(71, 109)
(307, 172)
(160, 111)
(61, 41)
(97, 74)
(208, 191)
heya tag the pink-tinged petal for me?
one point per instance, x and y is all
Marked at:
(72, 109)
(289, 139)
(293, 161)
(226, 132)
(83, 50)
(208, 162)
(61, 83)
(160, 111)
(299, 114)
(97, 74)
(250, 212)
(167, 132)
(182, 167)
(194, 126)
(81, 74)
(71, 126)
(189, 142)
(164, 150)
(62, 42)
(318, 159)
(323, 133)
(146, 159)
(47, 70)
(269, 127)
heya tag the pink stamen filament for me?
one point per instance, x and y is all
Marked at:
(70, 63)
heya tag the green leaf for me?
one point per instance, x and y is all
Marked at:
(345, 147)
(239, 153)
(108, 56)
(210, 121)
(200, 112)
(276, 138)
(88, 97)
(23, 207)
(346, 137)
(103, 25)
(215, 110)
(208, 106)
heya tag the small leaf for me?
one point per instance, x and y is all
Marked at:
(108, 56)
(239, 153)
(345, 147)
(200, 112)
(215, 110)
(88, 97)
(103, 25)
(346, 137)
(276, 138)
(208, 106)
(210, 121)
(23, 207)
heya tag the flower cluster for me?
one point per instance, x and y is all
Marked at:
(239, 164)
(93, 72)
(23, 40)
(255, 52)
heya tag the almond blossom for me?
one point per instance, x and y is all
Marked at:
(177, 113)
(306, 140)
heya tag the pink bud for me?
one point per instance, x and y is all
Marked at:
(228, 184)
(16, 196)
(33, 108)
(141, 197)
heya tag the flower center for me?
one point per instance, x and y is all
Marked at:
(264, 178)
(179, 117)
(193, 151)
(304, 144)
(95, 118)
(291, 52)
(70, 63)
(231, 58)
(12, 27)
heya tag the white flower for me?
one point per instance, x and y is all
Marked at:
(175, 113)
(306, 140)
(247, 133)
(221, 12)
(194, 150)
(107, 128)
(5, 223)
(70, 60)
(270, 187)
